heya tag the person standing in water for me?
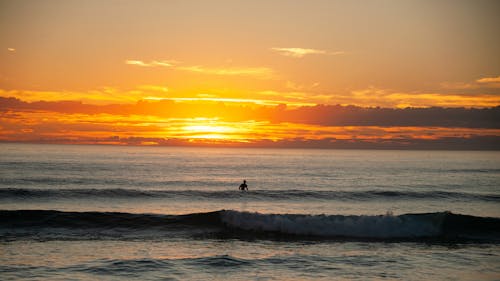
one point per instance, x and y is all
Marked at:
(244, 186)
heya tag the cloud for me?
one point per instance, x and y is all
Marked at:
(11, 49)
(103, 95)
(300, 87)
(164, 63)
(459, 86)
(237, 110)
(229, 123)
(296, 98)
(203, 98)
(105, 128)
(262, 72)
(373, 97)
(389, 98)
(301, 52)
(487, 80)
(154, 88)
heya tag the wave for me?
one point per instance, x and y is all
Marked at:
(246, 225)
(27, 193)
(140, 268)
(63, 179)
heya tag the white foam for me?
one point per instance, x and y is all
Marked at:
(383, 226)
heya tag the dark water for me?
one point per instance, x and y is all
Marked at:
(114, 213)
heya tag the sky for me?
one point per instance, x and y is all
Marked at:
(339, 74)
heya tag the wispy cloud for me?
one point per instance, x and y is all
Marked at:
(11, 49)
(154, 88)
(105, 95)
(388, 98)
(459, 85)
(164, 63)
(218, 100)
(301, 52)
(262, 72)
(300, 87)
(487, 80)
(295, 98)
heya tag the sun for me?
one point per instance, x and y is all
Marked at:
(208, 129)
(211, 132)
(215, 130)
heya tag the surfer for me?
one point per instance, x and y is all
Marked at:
(244, 186)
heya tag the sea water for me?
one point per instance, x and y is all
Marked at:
(113, 213)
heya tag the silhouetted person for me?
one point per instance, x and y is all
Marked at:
(244, 186)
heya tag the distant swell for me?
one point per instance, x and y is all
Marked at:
(33, 194)
(443, 225)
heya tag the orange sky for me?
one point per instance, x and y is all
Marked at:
(273, 60)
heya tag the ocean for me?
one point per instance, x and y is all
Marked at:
(78, 212)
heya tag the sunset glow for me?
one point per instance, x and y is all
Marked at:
(191, 72)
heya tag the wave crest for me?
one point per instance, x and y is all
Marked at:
(383, 226)
(230, 223)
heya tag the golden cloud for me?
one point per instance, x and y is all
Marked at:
(164, 63)
(489, 80)
(301, 52)
(261, 72)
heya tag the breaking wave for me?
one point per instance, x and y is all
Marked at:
(235, 224)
